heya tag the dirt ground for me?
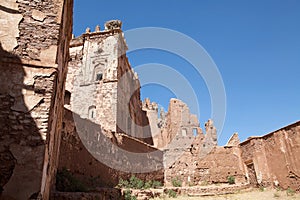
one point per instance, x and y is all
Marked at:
(254, 194)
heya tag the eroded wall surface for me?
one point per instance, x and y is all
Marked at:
(34, 40)
(131, 118)
(179, 135)
(92, 77)
(274, 158)
(105, 119)
(218, 165)
(105, 92)
(177, 126)
(103, 86)
(106, 159)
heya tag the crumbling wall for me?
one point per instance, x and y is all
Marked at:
(275, 157)
(179, 123)
(180, 137)
(34, 40)
(234, 140)
(89, 167)
(131, 119)
(186, 143)
(218, 165)
(155, 123)
(210, 140)
(254, 157)
(181, 163)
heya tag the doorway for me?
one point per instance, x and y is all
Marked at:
(252, 174)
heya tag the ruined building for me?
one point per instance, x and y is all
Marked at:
(98, 128)
(103, 96)
(102, 88)
(99, 69)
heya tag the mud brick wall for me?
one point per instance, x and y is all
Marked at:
(79, 157)
(275, 157)
(184, 163)
(131, 119)
(102, 85)
(219, 164)
(34, 40)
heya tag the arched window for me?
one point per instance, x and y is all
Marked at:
(195, 132)
(92, 112)
(183, 132)
(99, 77)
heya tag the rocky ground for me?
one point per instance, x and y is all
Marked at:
(254, 194)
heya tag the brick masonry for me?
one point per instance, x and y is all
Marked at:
(34, 48)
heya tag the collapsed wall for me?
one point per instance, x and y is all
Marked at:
(178, 134)
(34, 46)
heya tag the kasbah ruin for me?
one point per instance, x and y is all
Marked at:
(54, 87)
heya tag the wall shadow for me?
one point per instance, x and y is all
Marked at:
(93, 156)
(21, 145)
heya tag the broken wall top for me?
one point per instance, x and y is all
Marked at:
(30, 30)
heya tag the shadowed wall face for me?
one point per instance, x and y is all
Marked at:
(34, 38)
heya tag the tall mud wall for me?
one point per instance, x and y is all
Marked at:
(34, 38)
(106, 169)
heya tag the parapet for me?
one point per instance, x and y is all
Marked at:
(111, 27)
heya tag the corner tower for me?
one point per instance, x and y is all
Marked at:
(102, 86)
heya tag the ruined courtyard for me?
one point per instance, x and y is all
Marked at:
(71, 109)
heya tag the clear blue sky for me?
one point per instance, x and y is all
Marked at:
(255, 45)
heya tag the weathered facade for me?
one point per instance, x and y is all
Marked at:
(218, 165)
(269, 160)
(34, 46)
(102, 85)
(178, 134)
(102, 89)
(105, 123)
(112, 89)
(273, 159)
(111, 164)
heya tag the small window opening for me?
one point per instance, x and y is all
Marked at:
(183, 132)
(99, 77)
(67, 98)
(195, 132)
(92, 112)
